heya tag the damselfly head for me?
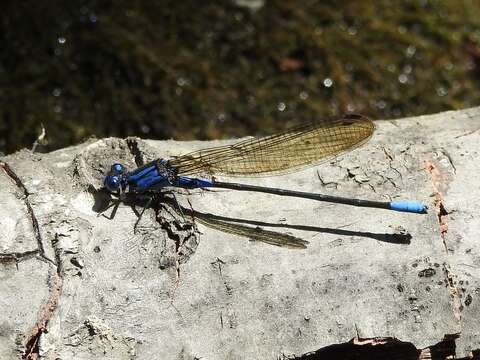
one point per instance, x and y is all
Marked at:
(113, 181)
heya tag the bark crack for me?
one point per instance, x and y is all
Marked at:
(438, 181)
(135, 150)
(180, 234)
(32, 350)
(36, 229)
(16, 257)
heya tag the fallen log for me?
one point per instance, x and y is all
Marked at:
(78, 283)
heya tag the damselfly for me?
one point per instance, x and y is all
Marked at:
(297, 148)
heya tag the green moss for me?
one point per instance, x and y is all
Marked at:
(184, 70)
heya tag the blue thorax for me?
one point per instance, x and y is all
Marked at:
(153, 176)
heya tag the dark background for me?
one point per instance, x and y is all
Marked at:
(213, 69)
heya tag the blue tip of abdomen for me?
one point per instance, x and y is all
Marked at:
(409, 206)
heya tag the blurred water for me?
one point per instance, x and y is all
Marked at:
(234, 68)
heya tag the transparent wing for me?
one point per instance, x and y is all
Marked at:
(252, 233)
(299, 147)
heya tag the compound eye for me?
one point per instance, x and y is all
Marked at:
(117, 169)
(112, 183)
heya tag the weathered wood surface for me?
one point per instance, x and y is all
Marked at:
(77, 285)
